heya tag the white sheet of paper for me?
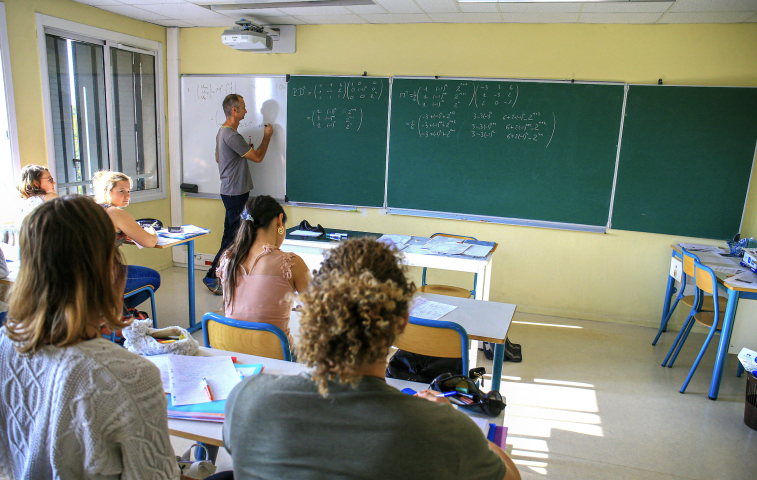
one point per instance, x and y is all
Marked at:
(429, 309)
(305, 233)
(728, 270)
(676, 269)
(440, 239)
(693, 247)
(397, 239)
(161, 361)
(400, 246)
(417, 249)
(166, 240)
(450, 248)
(186, 374)
(478, 251)
(744, 280)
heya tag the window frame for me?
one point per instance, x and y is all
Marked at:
(77, 31)
(9, 98)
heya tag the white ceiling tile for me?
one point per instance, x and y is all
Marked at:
(316, 11)
(752, 19)
(174, 23)
(133, 12)
(701, 17)
(398, 18)
(266, 12)
(540, 17)
(438, 6)
(181, 11)
(97, 3)
(330, 19)
(151, 2)
(714, 6)
(620, 17)
(478, 7)
(466, 17)
(366, 9)
(399, 6)
(627, 7)
(551, 8)
(211, 22)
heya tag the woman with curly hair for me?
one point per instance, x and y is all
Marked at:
(35, 185)
(341, 420)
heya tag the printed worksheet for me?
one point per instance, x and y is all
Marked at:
(186, 374)
(428, 309)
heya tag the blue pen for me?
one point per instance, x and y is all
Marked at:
(447, 394)
(241, 375)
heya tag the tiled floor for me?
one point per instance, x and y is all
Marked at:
(590, 400)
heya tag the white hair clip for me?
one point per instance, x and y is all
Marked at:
(247, 216)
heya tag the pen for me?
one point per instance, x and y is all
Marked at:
(241, 376)
(154, 224)
(447, 394)
(207, 389)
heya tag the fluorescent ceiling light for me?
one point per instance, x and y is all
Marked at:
(262, 4)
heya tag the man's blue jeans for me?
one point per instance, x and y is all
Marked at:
(234, 207)
(138, 277)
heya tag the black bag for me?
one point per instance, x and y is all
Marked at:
(421, 368)
(491, 403)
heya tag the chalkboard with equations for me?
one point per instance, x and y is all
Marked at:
(543, 151)
(336, 147)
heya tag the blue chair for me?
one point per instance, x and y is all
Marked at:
(252, 338)
(149, 290)
(447, 289)
(435, 338)
(706, 281)
(700, 301)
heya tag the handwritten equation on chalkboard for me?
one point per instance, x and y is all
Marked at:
(341, 102)
(490, 108)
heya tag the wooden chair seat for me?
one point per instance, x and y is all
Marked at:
(707, 318)
(708, 304)
(448, 290)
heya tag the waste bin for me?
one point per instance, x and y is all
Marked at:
(750, 407)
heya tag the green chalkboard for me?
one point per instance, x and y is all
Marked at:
(336, 140)
(685, 160)
(529, 150)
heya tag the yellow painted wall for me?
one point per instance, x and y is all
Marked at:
(618, 276)
(27, 90)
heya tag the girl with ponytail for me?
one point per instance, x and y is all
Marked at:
(258, 279)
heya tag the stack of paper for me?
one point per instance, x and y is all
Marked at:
(186, 376)
(743, 280)
(429, 310)
(693, 247)
(189, 232)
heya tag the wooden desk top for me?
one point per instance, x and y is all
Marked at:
(721, 276)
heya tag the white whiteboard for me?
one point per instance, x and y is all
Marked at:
(265, 97)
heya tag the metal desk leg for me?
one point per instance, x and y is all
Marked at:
(499, 357)
(725, 338)
(191, 278)
(666, 307)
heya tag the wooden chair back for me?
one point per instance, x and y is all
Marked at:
(705, 279)
(259, 339)
(435, 339)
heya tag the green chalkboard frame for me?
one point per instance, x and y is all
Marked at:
(576, 182)
(686, 160)
(336, 146)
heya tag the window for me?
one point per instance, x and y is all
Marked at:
(104, 107)
(9, 159)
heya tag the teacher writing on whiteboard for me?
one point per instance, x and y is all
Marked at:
(232, 153)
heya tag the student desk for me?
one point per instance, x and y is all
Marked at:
(212, 433)
(312, 250)
(193, 325)
(734, 294)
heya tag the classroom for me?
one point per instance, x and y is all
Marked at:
(588, 303)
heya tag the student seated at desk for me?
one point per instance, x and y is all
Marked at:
(342, 421)
(113, 192)
(75, 406)
(35, 185)
(258, 279)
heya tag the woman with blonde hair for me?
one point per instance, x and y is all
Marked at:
(73, 404)
(35, 185)
(341, 420)
(113, 192)
(258, 279)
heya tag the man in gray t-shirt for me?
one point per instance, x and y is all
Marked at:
(281, 427)
(232, 153)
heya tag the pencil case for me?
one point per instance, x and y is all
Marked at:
(142, 339)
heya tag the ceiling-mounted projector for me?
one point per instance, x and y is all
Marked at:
(247, 36)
